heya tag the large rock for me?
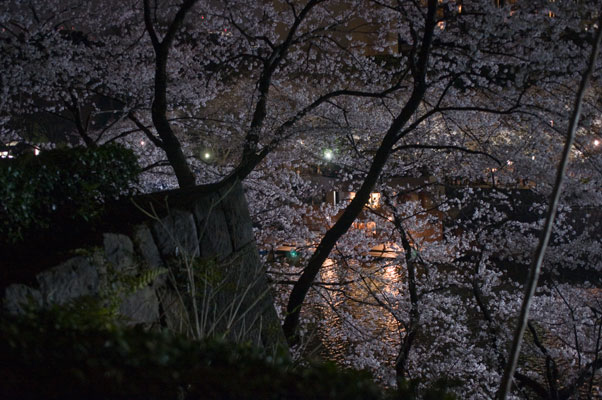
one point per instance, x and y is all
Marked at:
(149, 253)
(140, 307)
(174, 316)
(18, 298)
(246, 290)
(213, 236)
(145, 245)
(212, 228)
(176, 235)
(74, 278)
(236, 212)
(119, 252)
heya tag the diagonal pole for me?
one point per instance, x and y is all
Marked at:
(547, 231)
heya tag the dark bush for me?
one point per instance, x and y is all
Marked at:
(441, 389)
(58, 185)
(42, 356)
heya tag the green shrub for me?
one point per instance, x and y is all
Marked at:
(49, 354)
(71, 184)
(441, 389)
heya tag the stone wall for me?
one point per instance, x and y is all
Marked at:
(203, 246)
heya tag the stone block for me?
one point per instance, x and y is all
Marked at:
(174, 312)
(148, 251)
(75, 277)
(119, 252)
(264, 314)
(236, 212)
(214, 237)
(176, 235)
(146, 247)
(18, 297)
(141, 307)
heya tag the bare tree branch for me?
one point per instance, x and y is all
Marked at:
(535, 269)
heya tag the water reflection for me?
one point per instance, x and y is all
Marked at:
(358, 309)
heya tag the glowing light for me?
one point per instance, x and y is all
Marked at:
(509, 162)
(532, 157)
(390, 273)
(328, 154)
(328, 273)
(36, 151)
(374, 200)
(206, 155)
(460, 9)
(142, 143)
(596, 143)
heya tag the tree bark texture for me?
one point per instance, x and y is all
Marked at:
(302, 286)
(170, 143)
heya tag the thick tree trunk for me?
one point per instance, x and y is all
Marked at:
(302, 286)
(177, 160)
(82, 128)
(356, 206)
(170, 143)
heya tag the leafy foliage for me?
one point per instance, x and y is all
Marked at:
(56, 354)
(439, 390)
(60, 184)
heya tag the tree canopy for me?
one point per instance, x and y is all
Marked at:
(438, 124)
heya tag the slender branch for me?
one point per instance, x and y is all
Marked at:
(156, 141)
(248, 163)
(414, 323)
(597, 353)
(265, 81)
(551, 367)
(446, 147)
(589, 370)
(149, 25)
(356, 206)
(73, 107)
(161, 163)
(177, 22)
(532, 384)
(535, 269)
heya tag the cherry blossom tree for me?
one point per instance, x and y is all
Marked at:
(451, 112)
(472, 87)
